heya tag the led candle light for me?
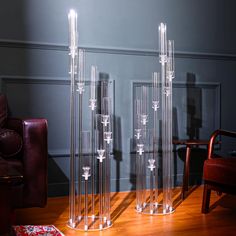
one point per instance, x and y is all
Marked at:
(93, 81)
(107, 137)
(81, 65)
(144, 106)
(155, 91)
(101, 153)
(73, 34)
(93, 99)
(137, 133)
(140, 149)
(170, 60)
(162, 43)
(137, 123)
(81, 69)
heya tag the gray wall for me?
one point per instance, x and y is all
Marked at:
(121, 38)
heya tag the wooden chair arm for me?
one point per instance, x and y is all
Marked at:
(213, 138)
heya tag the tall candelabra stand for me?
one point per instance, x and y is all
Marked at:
(154, 145)
(90, 149)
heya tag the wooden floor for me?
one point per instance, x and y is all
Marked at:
(186, 220)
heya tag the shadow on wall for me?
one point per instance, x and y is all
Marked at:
(194, 107)
(117, 148)
(15, 60)
(175, 134)
(193, 126)
(58, 182)
(117, 135)
(133, 156)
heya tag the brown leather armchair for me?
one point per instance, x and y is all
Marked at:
(23, 148)
(218, 172)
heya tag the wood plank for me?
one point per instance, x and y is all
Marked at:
(186, 220)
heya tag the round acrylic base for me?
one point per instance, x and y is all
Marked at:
(155, 210)
(93, 224)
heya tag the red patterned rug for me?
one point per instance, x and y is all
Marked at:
(34, 230)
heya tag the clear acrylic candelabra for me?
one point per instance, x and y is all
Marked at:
(90, 141)
(154, 141)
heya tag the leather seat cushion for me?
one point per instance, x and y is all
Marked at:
(15, 163)
(6, 166)
(10, 143)
(3, 167)
(220, 170)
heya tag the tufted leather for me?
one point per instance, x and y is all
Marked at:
(4, 200)
(10, 143)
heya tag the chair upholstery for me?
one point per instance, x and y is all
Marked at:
(218, 172)
(30, 159)
(33, 159)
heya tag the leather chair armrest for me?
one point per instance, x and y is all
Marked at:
(35, 157)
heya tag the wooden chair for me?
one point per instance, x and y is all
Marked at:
(218, 172)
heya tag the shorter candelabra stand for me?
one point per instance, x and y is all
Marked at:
(153, 142)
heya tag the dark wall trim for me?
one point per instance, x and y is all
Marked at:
(9, 79)
(114, 50)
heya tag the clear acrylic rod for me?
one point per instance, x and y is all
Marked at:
(93, 82)
(138, 184)
(72, 19)
(80, 153)
(86, 175)
(93, 142)
(73, 34)
(100, 195)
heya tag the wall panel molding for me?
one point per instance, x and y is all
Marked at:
(6, 80)
(210, 91)
(15, 79)
(114, 50)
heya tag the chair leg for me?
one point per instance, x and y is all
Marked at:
(206, 199)
(186, 173)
